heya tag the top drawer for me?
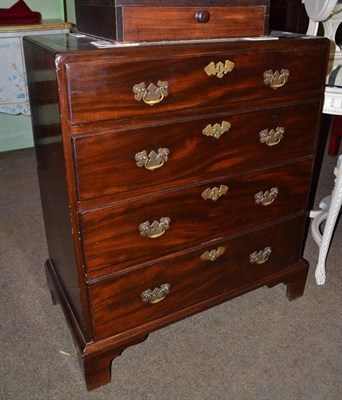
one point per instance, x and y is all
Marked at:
(157, 81)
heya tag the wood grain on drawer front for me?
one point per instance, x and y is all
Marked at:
(117, 305)
(111, 156)
(175, 23)
(103, 90)
(111, 235)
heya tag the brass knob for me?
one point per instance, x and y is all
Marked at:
(260, 257)
(156, 229)
(156, 295)
(202, 16)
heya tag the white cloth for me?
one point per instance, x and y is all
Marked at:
(13, 86)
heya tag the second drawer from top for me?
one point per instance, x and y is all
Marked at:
(151, 159)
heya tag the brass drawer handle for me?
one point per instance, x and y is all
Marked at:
(156, 295)
(153, 160)
(217, 130)
(276, 79)
(153, 94)
(213, 254)
(156, 229)
(215, 193)
(266, 198)
(260, 257)
(219, 69)
(272, 137)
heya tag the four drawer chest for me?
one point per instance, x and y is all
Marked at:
(174, 176)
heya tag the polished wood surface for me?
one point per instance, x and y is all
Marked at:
(88, 128)
(163, 23)
(94, 97)
(192, 154)
(193, 219)
(148, 20)
(117, 305)
(43, 91)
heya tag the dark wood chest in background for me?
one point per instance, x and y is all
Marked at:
(153, 20)
(173, 177)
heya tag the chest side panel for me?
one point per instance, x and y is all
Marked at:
(52, 164)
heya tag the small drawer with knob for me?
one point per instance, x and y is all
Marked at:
(150, 159)
(169, 289)
(118, 236)
(202, 22)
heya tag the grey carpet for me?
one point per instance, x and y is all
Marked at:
(258, 346)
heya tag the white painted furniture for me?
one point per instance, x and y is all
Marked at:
(13, 85)
(330, 207)
(329, 13)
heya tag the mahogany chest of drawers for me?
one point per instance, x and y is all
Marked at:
(173, 177)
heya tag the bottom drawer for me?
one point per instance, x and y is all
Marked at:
(125, 302)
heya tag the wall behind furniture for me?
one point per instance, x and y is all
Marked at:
(70, 11)
(15, 130)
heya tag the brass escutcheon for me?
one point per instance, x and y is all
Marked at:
(219, 69)
(213, 254)
(272, 137)
(153, 160)
(276, 79)
(266, 198)
(217, 130)
(153, 94)
(215, 193)
(156, 229)
(260, 257)
(156, 295)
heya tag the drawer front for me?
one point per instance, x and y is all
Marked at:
(194, 149)
(176, 23)
(144, 229)
(104, 90)
(117, 305)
